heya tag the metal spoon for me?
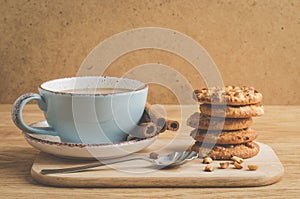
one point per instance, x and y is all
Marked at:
(166, 161)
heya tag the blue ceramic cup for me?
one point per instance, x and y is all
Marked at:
(88, 109)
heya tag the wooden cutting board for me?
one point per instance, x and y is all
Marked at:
(141, 174)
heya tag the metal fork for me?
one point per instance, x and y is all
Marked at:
(166, 161)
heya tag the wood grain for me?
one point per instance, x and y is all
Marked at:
(279, 128)
(142, 174)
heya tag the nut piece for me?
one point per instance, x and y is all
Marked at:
(250, 145)
(237, 165)
(153, 156)
(207, 160)
(209, 168)
(237, 159)
(224, 165)
(252, 167)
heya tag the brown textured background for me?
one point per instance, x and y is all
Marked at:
(253, 42)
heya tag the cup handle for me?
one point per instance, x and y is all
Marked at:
(17, 117)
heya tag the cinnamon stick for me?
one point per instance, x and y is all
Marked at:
(152, 123)
(144, 130)
(156, 117)
(145, 117)
(172, 125)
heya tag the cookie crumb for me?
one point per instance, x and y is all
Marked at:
(237, 159)
(209, 168)
(252, 167)
(207, 160)
(224, 165)
(237, 165)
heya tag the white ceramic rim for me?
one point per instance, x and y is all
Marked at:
(142, 86)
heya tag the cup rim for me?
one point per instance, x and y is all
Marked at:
(42, 86)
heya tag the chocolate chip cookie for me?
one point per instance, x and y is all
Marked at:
(229, 111)
(230, 95)
(226, 152)
(224, 137)
(201, 121)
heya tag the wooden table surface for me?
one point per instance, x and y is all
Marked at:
(278, 128)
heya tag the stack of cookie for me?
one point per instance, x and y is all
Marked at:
(222, 129)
